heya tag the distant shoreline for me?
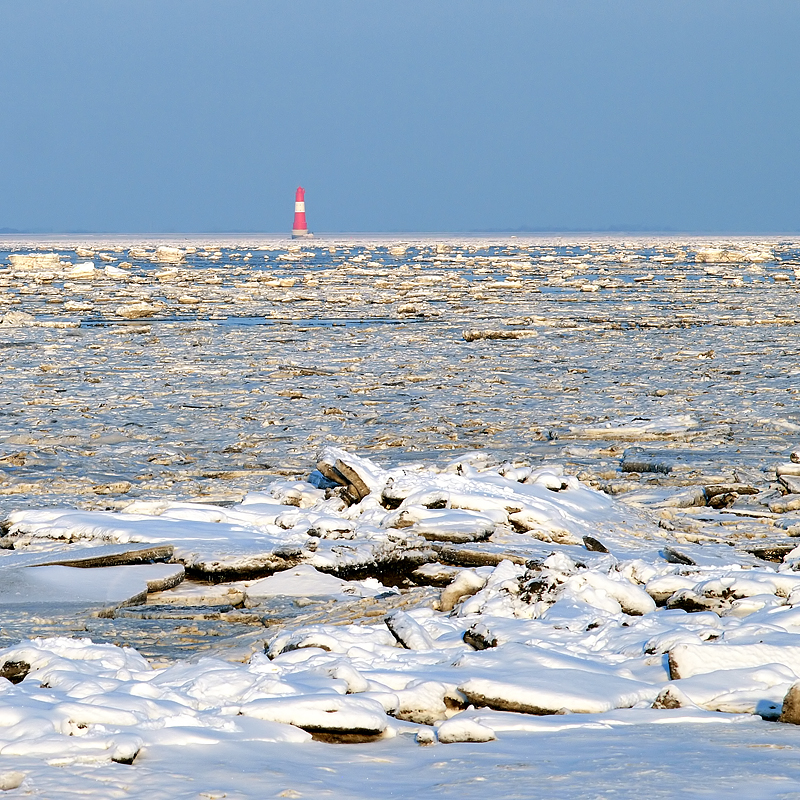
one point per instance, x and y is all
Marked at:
(13, 240)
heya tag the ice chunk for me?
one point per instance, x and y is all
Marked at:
(107, 587)
(323, 714)
(686, 660)
(305, 581)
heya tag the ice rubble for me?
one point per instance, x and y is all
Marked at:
(376, 516)
(583, 627)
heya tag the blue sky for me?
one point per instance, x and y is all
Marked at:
(434, 115)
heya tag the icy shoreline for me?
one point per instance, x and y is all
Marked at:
(610, 628)
(555, 497)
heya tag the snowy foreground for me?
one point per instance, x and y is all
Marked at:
(583, 616)
(544, 547)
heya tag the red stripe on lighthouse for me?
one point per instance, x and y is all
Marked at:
(300, 225)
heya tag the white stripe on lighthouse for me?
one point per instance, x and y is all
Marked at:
(299, 206)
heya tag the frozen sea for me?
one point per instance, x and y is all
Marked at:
(479, 406)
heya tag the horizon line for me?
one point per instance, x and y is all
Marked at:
(11, 232)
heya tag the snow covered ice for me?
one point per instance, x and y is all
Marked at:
(379, 518)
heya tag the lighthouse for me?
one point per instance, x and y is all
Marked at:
(300, 227)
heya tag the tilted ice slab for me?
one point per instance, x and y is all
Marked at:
(109, 555)
(205, 545)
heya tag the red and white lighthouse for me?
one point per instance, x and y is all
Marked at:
(300, 227)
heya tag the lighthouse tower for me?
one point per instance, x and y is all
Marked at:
(300, 227)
